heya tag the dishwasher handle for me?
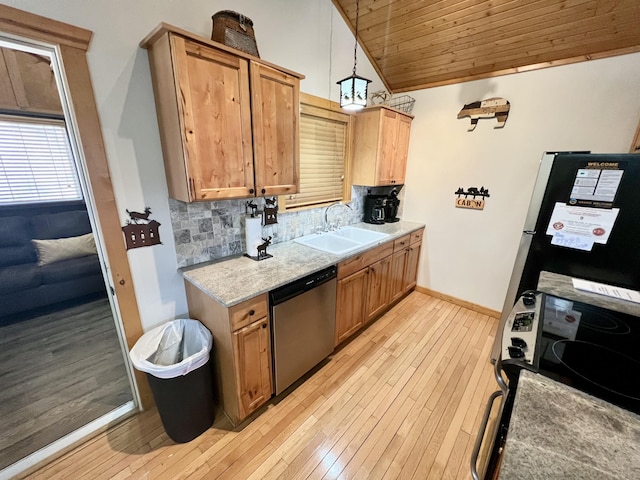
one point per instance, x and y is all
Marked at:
(304, 284)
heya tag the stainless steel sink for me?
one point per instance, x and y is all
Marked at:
(341, 241)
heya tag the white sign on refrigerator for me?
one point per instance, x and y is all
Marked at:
(580, 227)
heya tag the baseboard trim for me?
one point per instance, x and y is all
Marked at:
(457, 301)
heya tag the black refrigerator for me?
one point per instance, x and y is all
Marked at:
(583, 222)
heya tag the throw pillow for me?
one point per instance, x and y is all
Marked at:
(50, 251)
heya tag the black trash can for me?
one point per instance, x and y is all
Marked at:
(176, 359)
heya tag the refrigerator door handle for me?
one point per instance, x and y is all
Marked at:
(529, 232)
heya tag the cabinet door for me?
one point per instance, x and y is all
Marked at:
(276, 114)
(411, 268)
(215, 120)
(399, 167)
(396, 275)
(252, 357)
(350, 305)
(378, 287)
(388, 141)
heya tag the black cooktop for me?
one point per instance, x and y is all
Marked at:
(592, 349)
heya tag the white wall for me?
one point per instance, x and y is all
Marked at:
(307, 36)
(469, 254)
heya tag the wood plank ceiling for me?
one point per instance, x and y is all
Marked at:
(416, 44)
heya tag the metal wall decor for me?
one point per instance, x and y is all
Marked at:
(473, 202)
(140, 231)
(270, 211)
(495, 107)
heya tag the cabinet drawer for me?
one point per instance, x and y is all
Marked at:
(364, 259)
(416, 236)
(400, 243)
(247, 312)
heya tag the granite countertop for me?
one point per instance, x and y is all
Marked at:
(557, 432)
(233, 280)
(562, 286)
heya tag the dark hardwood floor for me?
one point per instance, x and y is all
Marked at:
(58, 372)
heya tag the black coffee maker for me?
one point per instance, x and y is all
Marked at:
(381, 204)
(391, 205)
(374, 208)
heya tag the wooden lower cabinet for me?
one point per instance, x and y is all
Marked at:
(385, 274)
(378, 292)
(351, 304)
(241, 352)
(396, 275)
(410, 276)
(252, 353)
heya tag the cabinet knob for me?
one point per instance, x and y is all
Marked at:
(264, 325)
(251, 190)
(264, 190)
(252, 312)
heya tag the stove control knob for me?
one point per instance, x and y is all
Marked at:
(516, 352)
(518, 342)
(529, 299)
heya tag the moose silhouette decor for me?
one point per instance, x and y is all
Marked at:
(262, 248)
(473, 202)
(139, 231)
(252, 208)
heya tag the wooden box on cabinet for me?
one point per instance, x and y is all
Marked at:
(380, 146)
(241, 350)
(229, 122)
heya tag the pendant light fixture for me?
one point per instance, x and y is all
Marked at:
(353, 89)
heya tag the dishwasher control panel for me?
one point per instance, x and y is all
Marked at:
(303, 284)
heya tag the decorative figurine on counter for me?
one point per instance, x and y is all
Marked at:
(472, 203)
(270, 211)
(496, 107)
(262, 249)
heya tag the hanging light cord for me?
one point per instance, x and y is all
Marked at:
(355, 47)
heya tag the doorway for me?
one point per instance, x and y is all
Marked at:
(63, 340)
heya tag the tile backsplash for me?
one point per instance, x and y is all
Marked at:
(206, 231)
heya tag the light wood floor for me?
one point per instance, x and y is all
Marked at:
(58, 372)
(403, 400)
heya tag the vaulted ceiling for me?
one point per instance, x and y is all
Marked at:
(416, 44)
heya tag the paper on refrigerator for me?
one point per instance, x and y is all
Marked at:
(589, 225)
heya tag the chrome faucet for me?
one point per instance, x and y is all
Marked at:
(326, 212)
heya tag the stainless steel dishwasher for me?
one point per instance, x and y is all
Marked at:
(303, 321)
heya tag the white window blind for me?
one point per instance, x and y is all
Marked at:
(36, 163)
(323, 143)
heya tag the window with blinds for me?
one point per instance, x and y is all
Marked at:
(324, 140)
(36, 163)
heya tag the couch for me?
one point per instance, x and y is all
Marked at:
(35, 275)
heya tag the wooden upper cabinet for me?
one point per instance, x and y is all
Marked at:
(380, 146)
(214, 111)
(27, 83)
(276, 118)
(228, 121)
